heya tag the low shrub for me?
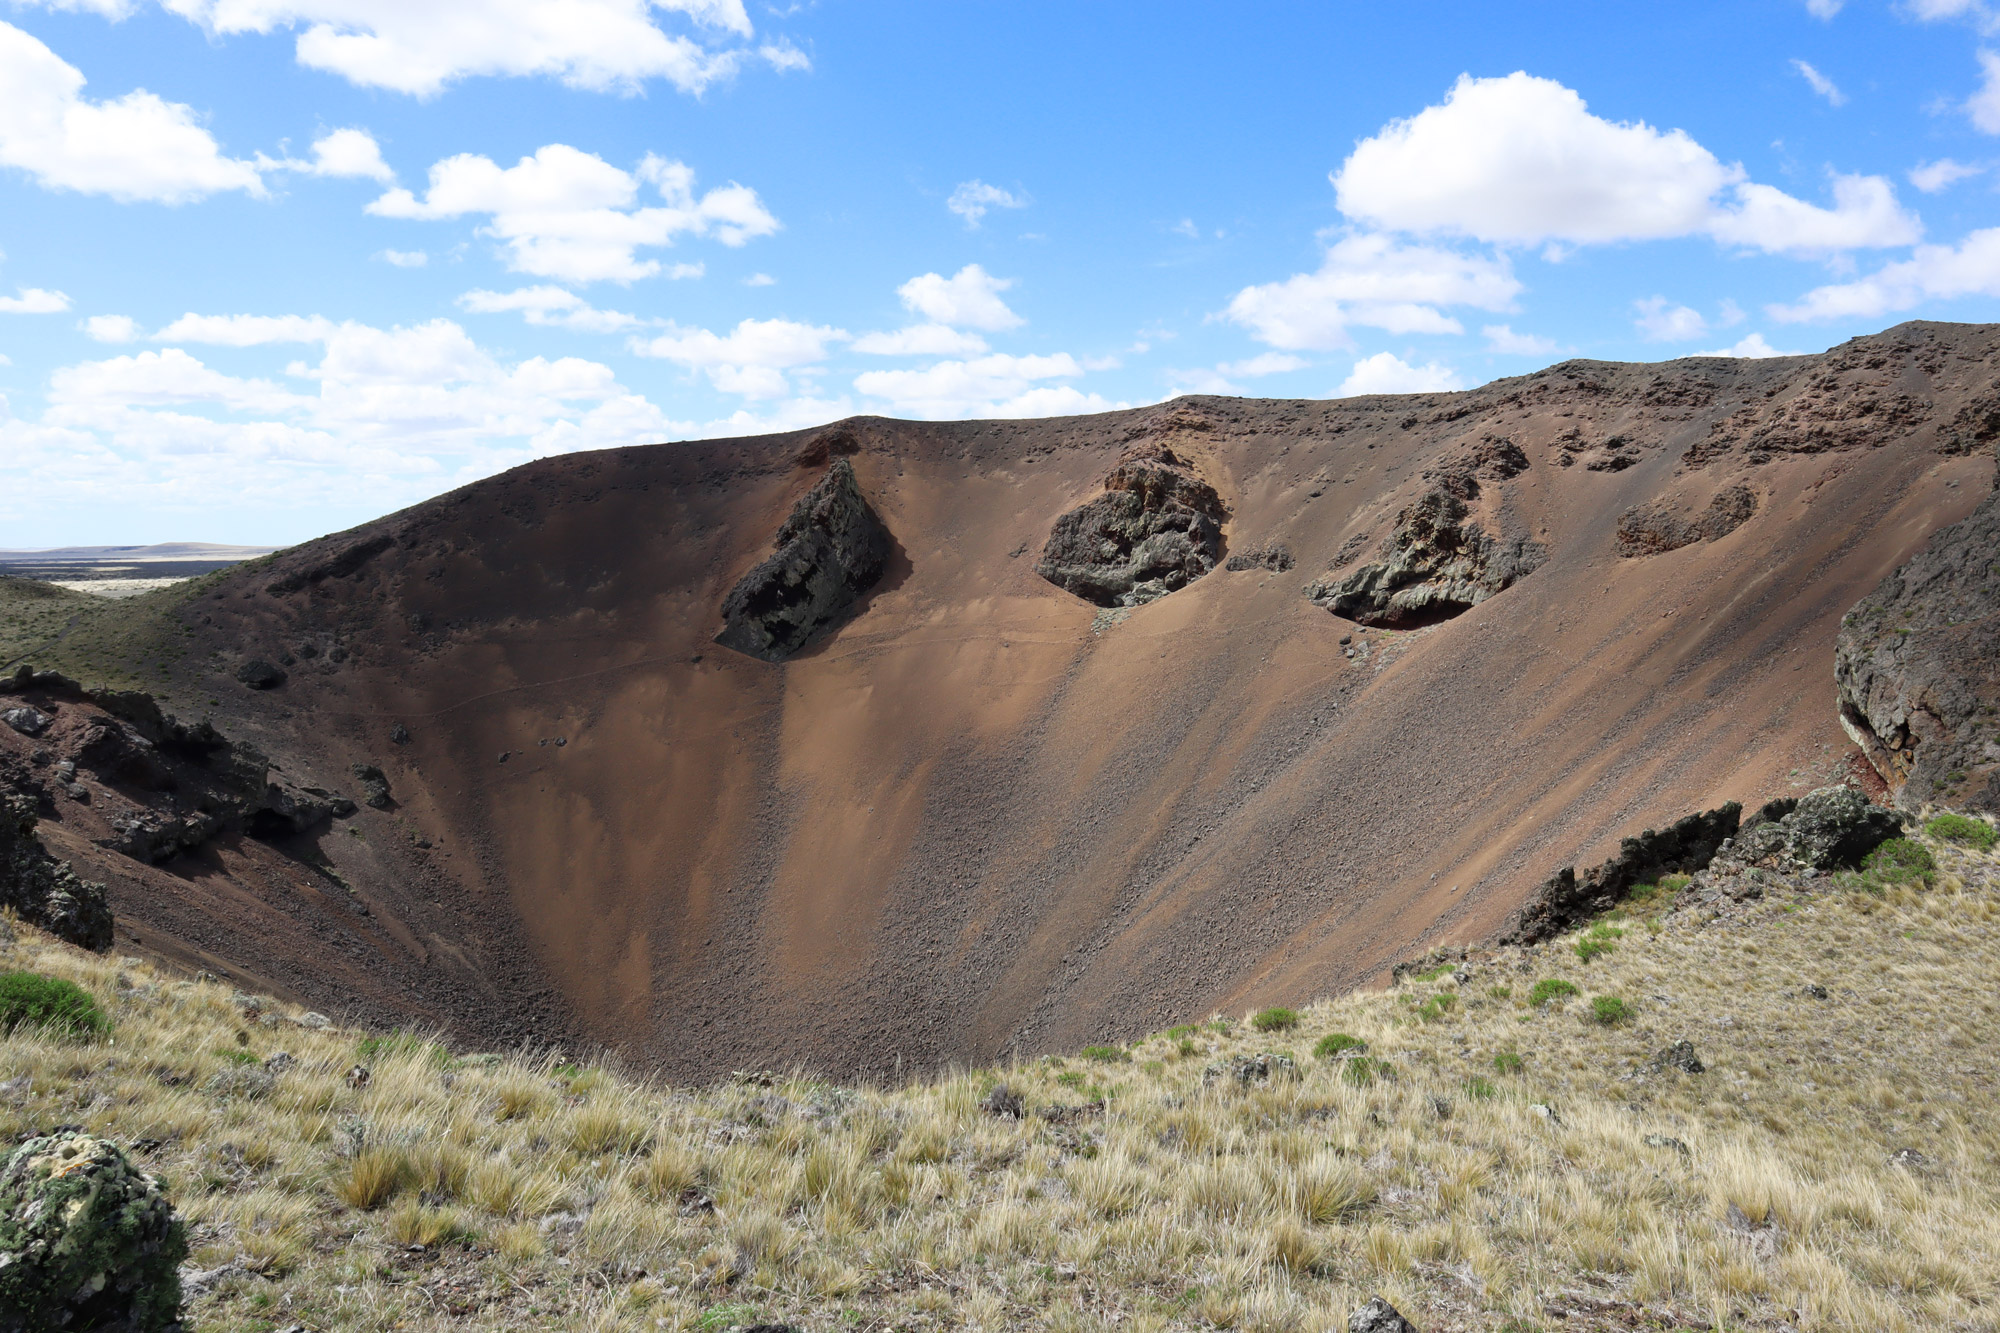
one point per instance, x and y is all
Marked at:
(1899, 861)
(1976, 833)
(1609, 1010)
(59, 1008)
(1333, 1043)
(1276, 1019)
(1550, 988)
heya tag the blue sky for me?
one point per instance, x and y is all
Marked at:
(273, 267)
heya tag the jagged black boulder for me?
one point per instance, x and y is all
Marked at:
(1564, 900)
(830, 551)
(1156, 529)
(46, 892)
(87, 1241)
(1918, 666)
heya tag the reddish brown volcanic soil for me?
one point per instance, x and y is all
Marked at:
(978, 819)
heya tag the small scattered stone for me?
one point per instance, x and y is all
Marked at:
(359, 1077)
(27, 720)
(399, 734)
(279, 1063)
(261, 675)
(1378, 1316)
(1681, 1055)
(1663, 1141)
(1004, 1102)
(1815, 991)
(315, 1021)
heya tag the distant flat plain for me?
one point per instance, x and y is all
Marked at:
(125, 571)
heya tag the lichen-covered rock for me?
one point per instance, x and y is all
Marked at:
(44, 891)
(374, 786)
(1378, 1316)
(831, 550)
(1272, 555)
(1245, 1070)
(1436, 565)
(1830, 829)
(1564, 900)
(1918, 667)
(87, 1241)
(1156, 529)
(1649, 529)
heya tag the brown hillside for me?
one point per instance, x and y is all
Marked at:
(985, 815)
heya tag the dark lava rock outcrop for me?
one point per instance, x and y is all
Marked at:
(1918, 665)
(1651, 529)
(1565, 901)
(1436, 564)
(171, 788)
(1829, 829)
(1272, 555)
(830, 551)
(1156, 529)
(46, 892)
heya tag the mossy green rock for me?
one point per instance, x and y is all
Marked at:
(88, 1242)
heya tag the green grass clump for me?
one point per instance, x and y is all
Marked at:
(1480, 1088)
(1508, 1062)
(1440, 970)
(1363, 1070)
(1975, 833)
(1609, 1010)
(1333, 1043)
(1182, 1031)
(1601, 940)
(1550, 988)
(59, 1008)
(369, 1050)
(1436, 1007)
(1106, 1054)
(1276, 1019)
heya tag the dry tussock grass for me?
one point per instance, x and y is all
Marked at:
(1472, 1189)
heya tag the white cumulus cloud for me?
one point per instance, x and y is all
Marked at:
(969, 298)
(1930, 177)
(751, 358)
(1385, 372)
(1753, 346)
(405, 258)
(1660, 320)
(1933, 272)
(570, 215)
(349, 153)
(552, 307)
(34, 301)
(973, 199)
(133, 148)
(1521, 161)
(921, 340)
(995, 385)
(602, 45)
(1376, 282)
(246, 330)
(1820, 84)
(111, 328)
(1501, 338)
(1984, 106)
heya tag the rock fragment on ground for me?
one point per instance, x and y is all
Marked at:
(830, 551)
(1378, 1316)
(87, 1241)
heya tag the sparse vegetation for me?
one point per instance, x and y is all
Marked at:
(1965, 831)
(1601, 939)
(1106, 1054)
(1333, 1043)
(1609, 1010)
(1275, 1020)
(1550, 988)
(51, 1005)
(551, 1193)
